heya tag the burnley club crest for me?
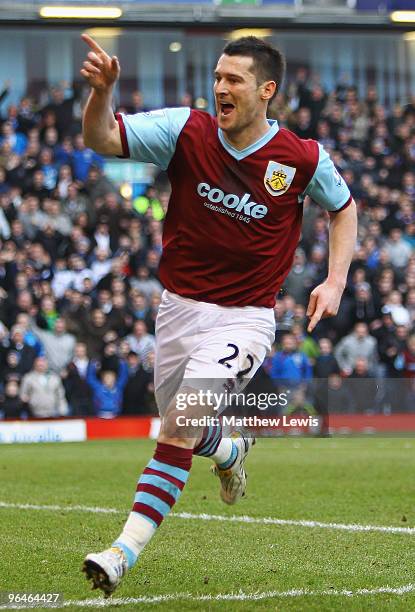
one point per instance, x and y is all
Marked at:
(278, 178)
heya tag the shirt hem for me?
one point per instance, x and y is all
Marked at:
(345, 205)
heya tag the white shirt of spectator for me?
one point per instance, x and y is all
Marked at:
(142, 346)
(82, 366)
(99, 269)
(102, 240)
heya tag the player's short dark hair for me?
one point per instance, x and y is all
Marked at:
(269, 62)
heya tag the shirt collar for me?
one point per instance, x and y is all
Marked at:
(252, 148)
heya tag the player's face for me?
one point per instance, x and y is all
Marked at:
(237, 94)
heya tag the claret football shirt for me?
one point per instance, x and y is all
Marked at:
(234, 216)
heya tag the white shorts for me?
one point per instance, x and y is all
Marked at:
(202, 341)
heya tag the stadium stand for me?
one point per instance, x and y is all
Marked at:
(78, 261)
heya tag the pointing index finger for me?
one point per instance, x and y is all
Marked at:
(91, 43)
(315, 319)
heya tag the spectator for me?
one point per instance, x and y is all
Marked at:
(136, 391)
(283, 321)
(364, 387)
(78, 392)
(297, 283)
(58, 344)
(50, 172)
(48, 313)
(60, 108)
(364, 307)
(316, 268)
(94, 329)
(37, 186)
(76, 203)
(17, 234)
(31, 216)
(10, 367)
(24, 353)
(74, 312)
(56, 218)
(333, 398)
(289, 366)
(107, 392)
(398, 250)
(101, 264)
(144, 284)
(64, 182)
(303, 126)
(97, 184)
(110, 358)
(16, 140)
(140, 341)
(393, 303)
(83, 159)
(326, 363)
(356, 344)
(324, 368)
(11, 405)
(384, 330)
(29, 338)
(137, 104)
(43, 391)
(138, 305)
(305, 343)
(151, 316)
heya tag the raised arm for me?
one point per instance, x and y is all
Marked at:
(91, 376)
(100, 129)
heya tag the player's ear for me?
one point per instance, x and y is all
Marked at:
(268, 90)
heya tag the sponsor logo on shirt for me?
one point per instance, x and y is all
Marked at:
(233, 203)
(278, 178)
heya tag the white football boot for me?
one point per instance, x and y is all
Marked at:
(233, 479)
(106, 569)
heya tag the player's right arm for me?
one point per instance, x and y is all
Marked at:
(99, 127)
(145, 137)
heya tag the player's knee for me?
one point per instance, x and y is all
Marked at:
(180, 425)
(164, 438)
(172, 428)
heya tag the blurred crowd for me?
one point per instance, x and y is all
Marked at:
(79, 290)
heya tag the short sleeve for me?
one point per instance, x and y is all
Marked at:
(151, 137)
(327, 187)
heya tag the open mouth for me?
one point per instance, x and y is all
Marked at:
(226, 108)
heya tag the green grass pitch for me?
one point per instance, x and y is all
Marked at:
(363, 480)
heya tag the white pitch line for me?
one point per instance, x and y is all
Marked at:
(240, 596)
(294, 522)
(218, 517)
(54, 508)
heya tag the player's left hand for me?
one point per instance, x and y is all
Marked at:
(324, 302)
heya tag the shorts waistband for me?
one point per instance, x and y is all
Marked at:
(215, 307)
